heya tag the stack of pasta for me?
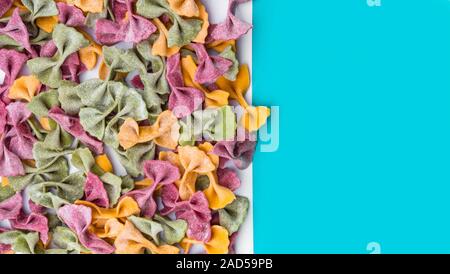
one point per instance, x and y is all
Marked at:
(142, 156)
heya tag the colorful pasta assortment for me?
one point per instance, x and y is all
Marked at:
(162, 104)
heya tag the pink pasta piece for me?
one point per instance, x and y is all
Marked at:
(239, 152)
(3, 117)
(48, 49)
(19, 135)
(17, 30)
(10, 163)
(5, 5)
(132, 28)
(228, 178)
(73, 126)
(70, 15)
(11, 62)
(195, 212)
(183, 100)
(232, 28)
(10, 208)
(95, 192)
(161, 173)
(72, 68)
(78, 219)
(210, 68)
(32, 222)
(35, 208)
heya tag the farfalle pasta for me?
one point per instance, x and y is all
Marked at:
(118, 127)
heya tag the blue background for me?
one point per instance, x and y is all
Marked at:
(364, 96)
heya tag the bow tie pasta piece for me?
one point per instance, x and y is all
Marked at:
(173, 231)
(218, 244)
(78, 218)
(195, 162)
(160, 47)
(195, 212)
(94, 6)
(19, 135)
(126, 207)
(233, 215)
(133, 158)
(24, 88)
(230, 54)
(70, 15)
(132, 28)
(90, 54)
(160, 173)
(232, 28)
(16, 30)
(56, 194)
(73, 126)
(210, 68)
(239, 152)
(213, 124)
(253, 117)
(10, 207)
(102, 105)
(131, 241)
(67, 41)
(64, 238)
(35, 222)
(54, 171)
(228, 178)
(83, 160)
(147, 227)
(216, 98)
(164, 132)
(95, 192)
(182, 32)
(11, 62)
(183, 100)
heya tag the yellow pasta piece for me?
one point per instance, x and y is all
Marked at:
(164, 132)
(5, 181)
(104, 163)
(47, 23)
(94, 6)
(160, 45)
(188, 8)
(253, 117)
(45, 123)
(112, 229)
(131, 241)
(218, 196)
(218, 244)
(90, 54)
(24, 88)
(195, 162)
(202, 15)
(216, 98)
(126, 207)
(222, 45)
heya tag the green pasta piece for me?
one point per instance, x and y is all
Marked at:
(233, 215)
(47, 69)
(182, 32)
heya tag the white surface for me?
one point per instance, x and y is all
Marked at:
(217, 10)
